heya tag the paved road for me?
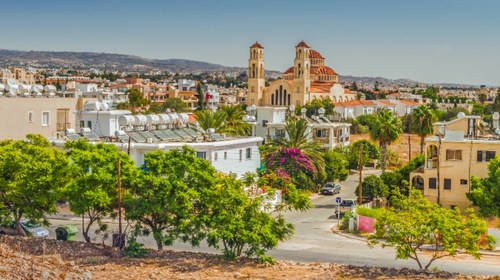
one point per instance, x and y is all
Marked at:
(315, 242)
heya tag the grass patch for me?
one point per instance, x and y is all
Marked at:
(371, 212)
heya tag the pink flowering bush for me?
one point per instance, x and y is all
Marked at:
(292, 164)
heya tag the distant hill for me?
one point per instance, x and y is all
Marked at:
(136, 64)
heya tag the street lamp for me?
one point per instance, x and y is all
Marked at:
(303, 111)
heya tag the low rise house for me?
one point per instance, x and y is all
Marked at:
(355, 108)
(457, 151)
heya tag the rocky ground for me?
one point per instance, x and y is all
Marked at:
(23, 258)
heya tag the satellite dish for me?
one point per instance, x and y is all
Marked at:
(497, 131)
(496, 116)
(461, 115)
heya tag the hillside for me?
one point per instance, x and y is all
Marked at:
(24, 258)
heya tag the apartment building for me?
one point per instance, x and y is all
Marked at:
(456, 152)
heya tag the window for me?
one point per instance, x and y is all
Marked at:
(279, 133)
(432, 183)
(321, 133)
(31, 116)
(248, 153)
(241, 154)
(202, 155)
(485, 155)
(447, 184)
(89, 124)
(463, 182)
(453, 154)
(216, 156)
(45, 118)
(225, 155)
(264, 123)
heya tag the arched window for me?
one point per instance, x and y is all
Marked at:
(261, 72)
(289, 103)
(253, 71)
(272, 99)
(281, 96)
(276, 98)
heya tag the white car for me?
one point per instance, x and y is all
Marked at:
(31, 229)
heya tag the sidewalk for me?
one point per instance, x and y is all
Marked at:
(335, 230)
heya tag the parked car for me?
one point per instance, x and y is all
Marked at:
(345, 205)
(30, 228)
(330, 188)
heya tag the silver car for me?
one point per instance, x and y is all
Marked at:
(30, 228)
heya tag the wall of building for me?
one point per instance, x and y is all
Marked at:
(21, 116)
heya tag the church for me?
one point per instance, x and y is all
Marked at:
(307, 79)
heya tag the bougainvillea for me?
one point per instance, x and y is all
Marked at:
(290, 160)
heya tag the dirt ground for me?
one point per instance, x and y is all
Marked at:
(23, 258)
(401, 146)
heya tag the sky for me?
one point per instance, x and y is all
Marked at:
(434, 41)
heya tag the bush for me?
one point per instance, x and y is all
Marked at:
(135, 249)
(370, 212)
(344, 222)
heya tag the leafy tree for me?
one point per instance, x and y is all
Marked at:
(32, 175)
(422, 120)
(336, 166)
(93, 192)
(170, 190)
(386, 129)
(370, 153)
(485, 192)
(415, 222)
(236, 222)
(135, 99)
(373, 186)
(234, 123)
(201, 97)
(314, 105)
(175, 104)
(482, 98)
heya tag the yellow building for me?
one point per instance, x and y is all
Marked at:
(307, 79)
(456, 151)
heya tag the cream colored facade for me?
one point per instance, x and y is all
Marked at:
(307, 79)
(454, 154)
(45, 116)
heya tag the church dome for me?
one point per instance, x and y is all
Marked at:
(322, 70)
(288, 71)
(315, 54)
(302, 44)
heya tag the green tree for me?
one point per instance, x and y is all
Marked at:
(414, 223)
(370, 153)
(314, 105)
(422, 121)
(93, 192)
(485, 192)
(201, 97)
(175, 104)
(235, 221)
(234, 123)
(170, 190)
(336, 166)
(373, 186)
(482, 98)
(135, 99)
(386, 129)
(32, 176)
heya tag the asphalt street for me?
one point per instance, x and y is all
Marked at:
(314, 240)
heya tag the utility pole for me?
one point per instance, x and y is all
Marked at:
(438, 177)
(409, 148)
(119, 199)
(360, 170)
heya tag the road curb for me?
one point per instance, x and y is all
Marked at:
(495, 253)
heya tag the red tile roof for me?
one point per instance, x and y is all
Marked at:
(387, 102)
(288, 71)
(302, 44)
(322, 70)
(408, 102)
(354, 103)
(315, 54)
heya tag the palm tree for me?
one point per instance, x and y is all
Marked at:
(386, 128)
(422, 120)
(208, 119)
(234, 123)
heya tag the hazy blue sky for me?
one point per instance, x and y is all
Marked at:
(426, 40)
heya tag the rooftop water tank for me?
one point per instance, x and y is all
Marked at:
(126, 120)
(152, 119)
(140, 120)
